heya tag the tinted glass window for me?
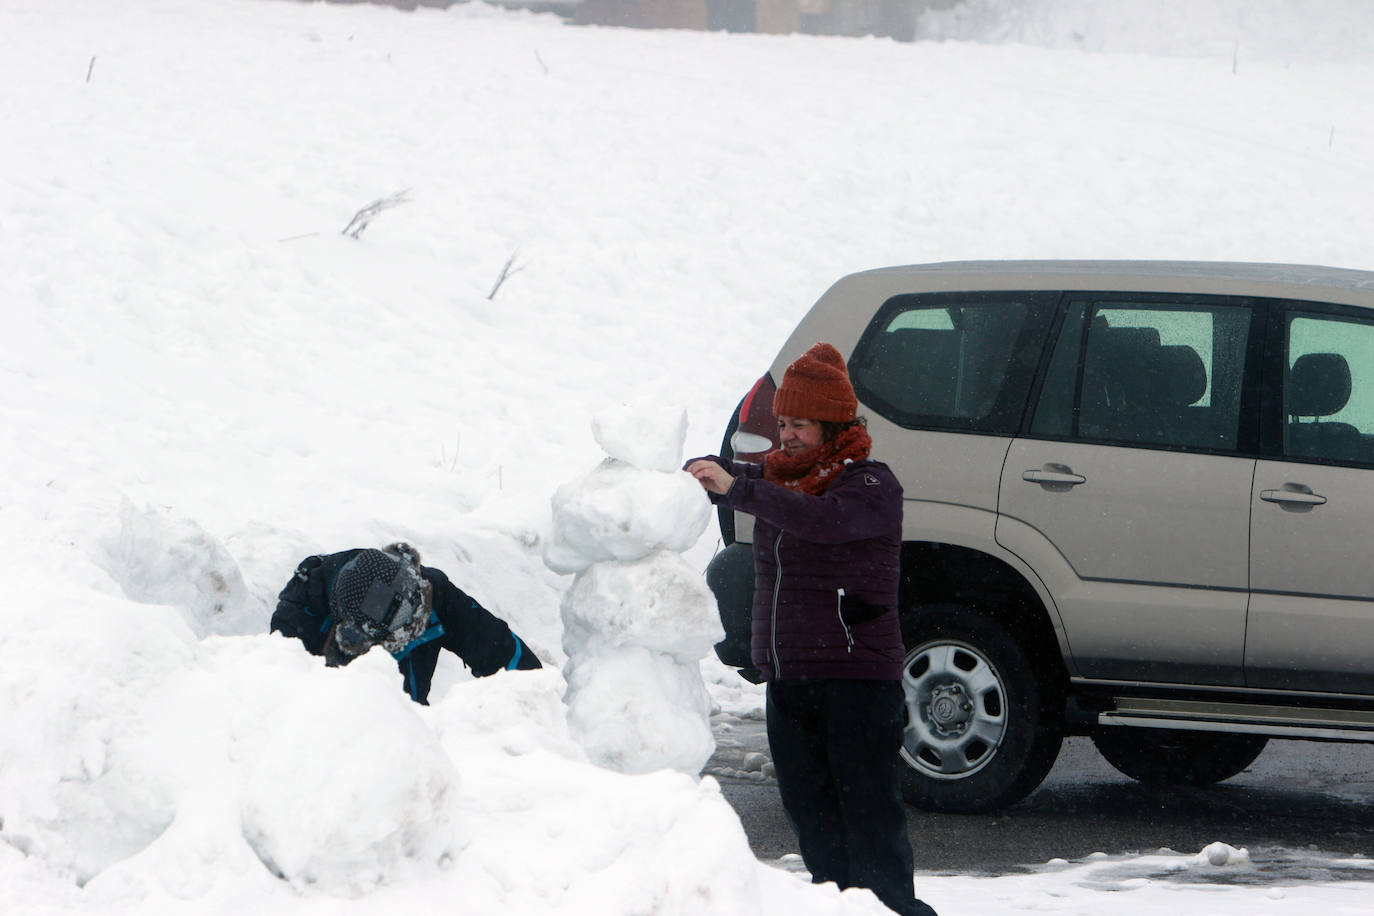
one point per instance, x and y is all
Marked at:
(949, 362)
(1147, 374)
(1328, 402)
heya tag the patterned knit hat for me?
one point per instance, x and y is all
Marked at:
(816, 387)
(378, 599)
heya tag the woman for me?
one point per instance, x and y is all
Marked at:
(825, 634)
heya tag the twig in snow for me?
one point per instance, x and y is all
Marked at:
(1331, 140)
(1235, 57)
(364, 216)
(90, 68)
(505, 273)
(293, 238)
(457, 447)
(541, 61)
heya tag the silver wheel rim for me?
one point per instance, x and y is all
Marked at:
(956, 710)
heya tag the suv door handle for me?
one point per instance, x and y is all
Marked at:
(1293, 494)
(1054, 474)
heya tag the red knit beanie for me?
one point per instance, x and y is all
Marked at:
(816, 387)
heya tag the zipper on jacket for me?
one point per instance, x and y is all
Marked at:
(777, 587)
(839, 612)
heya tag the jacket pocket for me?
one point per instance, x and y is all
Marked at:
(854, 610)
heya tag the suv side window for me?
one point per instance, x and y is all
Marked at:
(1147, 373)
(952, 361)
(1328, 404)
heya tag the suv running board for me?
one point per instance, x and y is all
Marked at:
(1277, 721)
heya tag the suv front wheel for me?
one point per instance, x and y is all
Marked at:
(981, 732)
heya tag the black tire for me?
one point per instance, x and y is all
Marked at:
(1164, 757)
(982, 728)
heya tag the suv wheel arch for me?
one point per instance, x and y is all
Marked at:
(985, 681)
(935, 574)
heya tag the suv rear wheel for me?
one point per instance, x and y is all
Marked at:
(981, 732)
(1160, 756)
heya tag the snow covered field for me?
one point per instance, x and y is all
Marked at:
(205, 380)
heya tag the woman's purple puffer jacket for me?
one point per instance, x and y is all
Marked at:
(826, 573)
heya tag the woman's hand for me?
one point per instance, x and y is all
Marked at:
(711, 476)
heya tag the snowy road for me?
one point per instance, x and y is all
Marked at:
(1300, 809)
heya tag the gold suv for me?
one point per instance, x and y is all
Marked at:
(1138, 497)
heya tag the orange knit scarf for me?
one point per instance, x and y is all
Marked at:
(815, 470)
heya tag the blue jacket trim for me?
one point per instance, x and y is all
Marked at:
(515, 657)
(410, 680)
(436, 629)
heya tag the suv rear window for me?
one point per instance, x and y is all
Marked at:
(951, 361)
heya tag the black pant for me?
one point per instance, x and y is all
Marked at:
(834, 746)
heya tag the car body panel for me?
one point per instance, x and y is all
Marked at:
(1140, 516)
(1156, 545)
(942, 467)
(1312, 607)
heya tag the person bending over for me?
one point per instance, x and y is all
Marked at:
(340, 605)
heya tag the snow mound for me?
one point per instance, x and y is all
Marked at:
(162, 558)
(1218, 855)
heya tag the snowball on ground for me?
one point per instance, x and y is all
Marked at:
(619, 512)
(1219, 854)
(160, 557)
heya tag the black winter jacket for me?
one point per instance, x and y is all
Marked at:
(457, 622)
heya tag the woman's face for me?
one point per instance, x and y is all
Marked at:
(797, 435)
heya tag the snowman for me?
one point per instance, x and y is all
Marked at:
(637, 619)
